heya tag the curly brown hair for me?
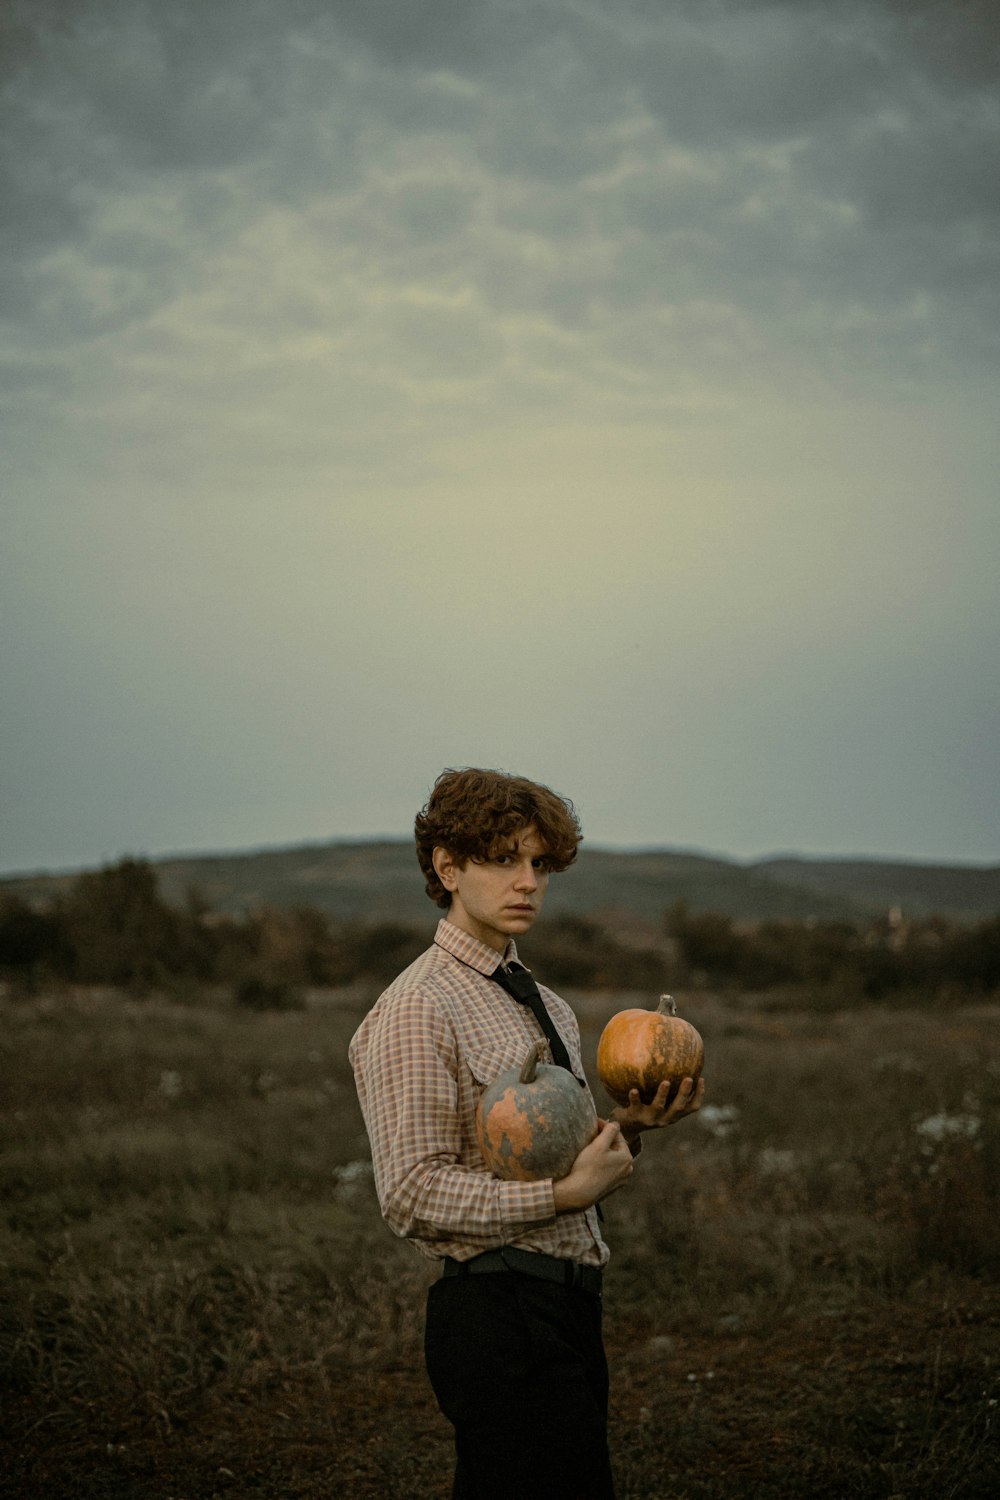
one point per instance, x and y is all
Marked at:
(469, 812)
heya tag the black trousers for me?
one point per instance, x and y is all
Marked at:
(518, 1368)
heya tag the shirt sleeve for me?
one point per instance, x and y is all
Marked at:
(407, 1076)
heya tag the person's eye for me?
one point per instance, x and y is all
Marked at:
(502, 859)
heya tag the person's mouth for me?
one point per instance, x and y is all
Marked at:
(521, 906)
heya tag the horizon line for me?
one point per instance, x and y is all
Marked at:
(692, 851)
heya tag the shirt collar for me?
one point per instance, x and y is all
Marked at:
(469, 950)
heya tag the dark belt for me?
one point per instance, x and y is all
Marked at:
(545, 1267)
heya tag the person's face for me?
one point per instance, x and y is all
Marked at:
(499, 897)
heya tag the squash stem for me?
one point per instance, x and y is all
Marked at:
(666, 1007)
(531, 1062)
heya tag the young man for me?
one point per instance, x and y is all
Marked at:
(513, 1339)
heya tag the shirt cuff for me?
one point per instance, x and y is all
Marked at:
(525, 1203)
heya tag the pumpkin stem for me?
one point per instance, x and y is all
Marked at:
(531, 1062)
(666, 1006)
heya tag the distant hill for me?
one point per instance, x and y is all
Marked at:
(380, 881)
(959, 891)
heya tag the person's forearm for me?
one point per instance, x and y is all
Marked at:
(445, 1202)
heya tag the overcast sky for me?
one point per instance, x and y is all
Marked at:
(604, 390)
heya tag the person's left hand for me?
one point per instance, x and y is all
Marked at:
(636, 1116)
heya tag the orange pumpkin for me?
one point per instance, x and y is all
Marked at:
(533, 1121)
(639, 1049)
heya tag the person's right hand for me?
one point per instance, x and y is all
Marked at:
(601, 1167)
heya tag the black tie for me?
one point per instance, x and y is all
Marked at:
(519, 983)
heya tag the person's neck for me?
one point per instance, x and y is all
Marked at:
(498, 943)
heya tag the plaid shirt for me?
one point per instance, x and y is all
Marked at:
(422, 1057)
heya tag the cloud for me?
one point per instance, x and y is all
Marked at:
(678, 316)
(349, 217)
(563, 159)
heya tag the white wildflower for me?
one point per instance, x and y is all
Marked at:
(171, 1084)
(774, 1162)
(718, 1119)
(352, 1171)
(937, 1129)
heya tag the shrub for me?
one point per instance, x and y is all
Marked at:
(31, 942)
(119, 930)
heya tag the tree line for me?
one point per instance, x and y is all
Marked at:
(874, 959)
(112, 927)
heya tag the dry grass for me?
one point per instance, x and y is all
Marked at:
(200, 1297)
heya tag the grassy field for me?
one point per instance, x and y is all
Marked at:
(200, 1298)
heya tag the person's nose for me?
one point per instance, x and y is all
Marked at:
(527, 877)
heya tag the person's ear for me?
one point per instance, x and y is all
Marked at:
(445, 866)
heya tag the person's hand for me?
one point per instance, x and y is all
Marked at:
(636, 1117)
(600, 1168)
